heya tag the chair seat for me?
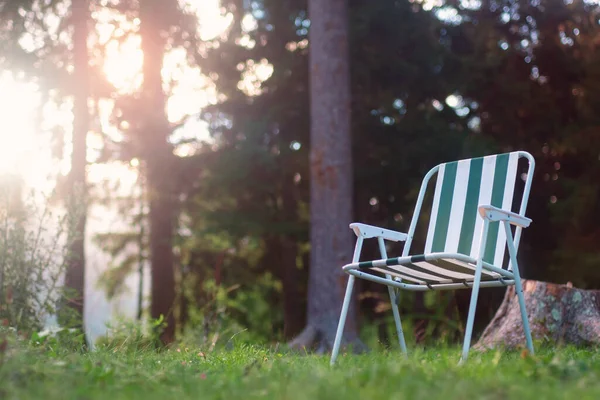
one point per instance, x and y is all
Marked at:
(431, 269)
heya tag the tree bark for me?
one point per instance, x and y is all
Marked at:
(159, 159)
(561, 314)
(331, 175)
(76, 192)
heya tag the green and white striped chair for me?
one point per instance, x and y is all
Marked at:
(465, 243)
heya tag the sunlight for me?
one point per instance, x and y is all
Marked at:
(36, 131)
(123, 63)
(18, 113)
(187, 88)
(26, 124)
(190, 90)
(211, 22)
(253, 75)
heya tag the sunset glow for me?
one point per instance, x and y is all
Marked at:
(19, 103)
(25, 138)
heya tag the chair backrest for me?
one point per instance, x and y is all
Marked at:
(462, 186)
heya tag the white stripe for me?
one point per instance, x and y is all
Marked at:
(407, 273)
(457, 210)
(443, 271)
(399, 275)
(509, 190)
(471, 267)
(434, 208)
(379, 263)
(407, 270)
(485, 197)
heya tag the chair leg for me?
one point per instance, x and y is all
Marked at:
(397, 320)
(392, 293)
(519, 290)
(471, 317)
(474, 293)
(347, 298)
(512, 251)
(342, 321)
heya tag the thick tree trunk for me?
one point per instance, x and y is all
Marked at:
(76, 194)
(331, 175)
(159, 161)
(561, 314)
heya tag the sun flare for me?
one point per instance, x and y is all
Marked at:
(25, 123)
(34, 126)
(18, 112)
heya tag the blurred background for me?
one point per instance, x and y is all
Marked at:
(154, 155)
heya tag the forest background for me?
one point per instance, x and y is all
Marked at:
(176, 135)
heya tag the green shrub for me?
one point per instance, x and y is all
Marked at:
(33, 249)
(235, 313)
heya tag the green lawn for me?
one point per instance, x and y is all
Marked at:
(256, 373)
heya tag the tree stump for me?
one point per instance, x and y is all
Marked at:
(559, 314)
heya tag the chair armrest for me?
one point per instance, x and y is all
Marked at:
(369, 231)
(497, 214)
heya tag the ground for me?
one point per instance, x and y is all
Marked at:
(252, 372)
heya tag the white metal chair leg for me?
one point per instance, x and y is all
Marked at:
(474, 294)
(397, 320)
(519, 290)
(347, 297)
(518, 287)
(471, 317)
(340, 329)
(392, 293)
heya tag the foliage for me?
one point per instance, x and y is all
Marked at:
(498, 61)
(252, 372)
(242, 312)
(34, 239)
(254, 184)
(531, 70)
(428, 85)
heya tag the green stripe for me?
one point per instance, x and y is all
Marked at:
(500, 173)
(467, 228)
(444, 208)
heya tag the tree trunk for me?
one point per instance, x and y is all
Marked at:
(331, 175)
(158, 156)
(558, 313)
(76, 192)
(141, 245)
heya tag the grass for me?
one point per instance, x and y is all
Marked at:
(248, 372)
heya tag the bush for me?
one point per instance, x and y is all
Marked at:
(33, 250)
(240, 313)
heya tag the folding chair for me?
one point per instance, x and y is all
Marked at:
(462, 250)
